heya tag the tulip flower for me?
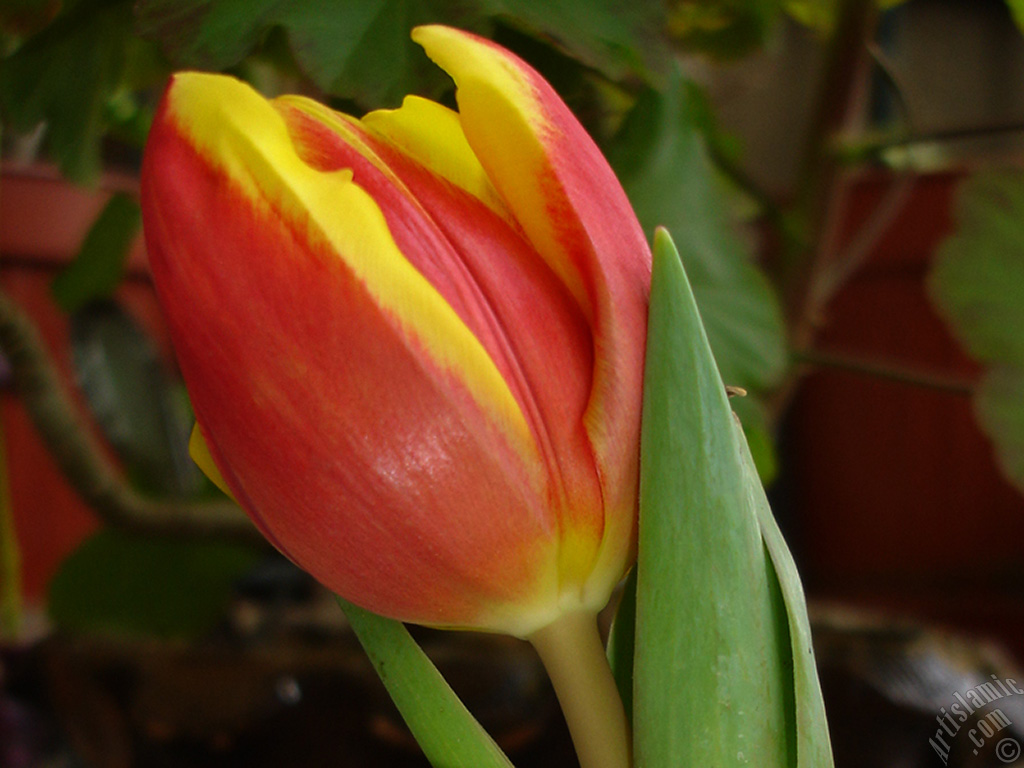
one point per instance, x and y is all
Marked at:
(414, 342)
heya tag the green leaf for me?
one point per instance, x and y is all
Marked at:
(621, 644)
(362, 51)
(66, 75)
(978, 284)
(720, 676)
(99, 264)
(359, 50)
(448, 734)
(661, 158)
(120, 583)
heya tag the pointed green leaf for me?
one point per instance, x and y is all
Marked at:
(812, 739)
(448, 734)
(714, 662)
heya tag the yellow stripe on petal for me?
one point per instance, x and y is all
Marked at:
(499, 113)
(200, 453)
(240, 133)
(431, 134)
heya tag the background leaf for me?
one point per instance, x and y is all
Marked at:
(619, 38)
(98, 266)
(130, 584)
(362, 51)
(978, 284)
(448, 734)
(661, 158)
(714, 662)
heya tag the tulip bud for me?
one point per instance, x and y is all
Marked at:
(414, 342)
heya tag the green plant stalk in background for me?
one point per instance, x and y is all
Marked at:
(10, 558)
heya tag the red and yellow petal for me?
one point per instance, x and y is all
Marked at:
(430, 134)
(571, 207)
(514, 303)
(288, 326)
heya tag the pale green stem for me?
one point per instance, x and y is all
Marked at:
(574, 657)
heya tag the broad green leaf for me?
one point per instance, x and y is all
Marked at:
(978, 284)
(362, 51)
(97, 268)
(716, 600)
(448, 734)
(616, 38)
(359, 50)
(121, 583)
(66, 75)
(662, 161)
(722, 28)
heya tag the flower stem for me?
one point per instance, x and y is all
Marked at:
(571, 651)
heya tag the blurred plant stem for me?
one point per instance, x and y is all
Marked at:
(10, 556)
(84, 461)
(817, 197)
(900, 373)
(804, 277)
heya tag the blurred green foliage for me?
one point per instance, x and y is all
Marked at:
(978, 283)
(661, 157)
(137, 585)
